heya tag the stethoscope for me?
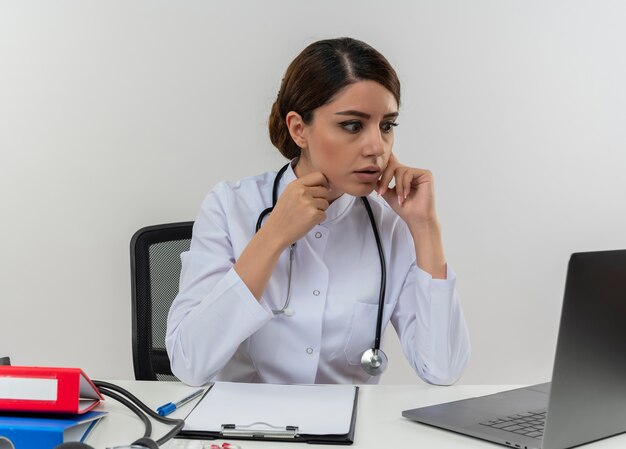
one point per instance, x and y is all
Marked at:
(141, 410)
(374, 361)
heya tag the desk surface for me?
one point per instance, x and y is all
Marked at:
(379, 417)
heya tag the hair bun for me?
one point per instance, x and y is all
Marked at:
(279, 133)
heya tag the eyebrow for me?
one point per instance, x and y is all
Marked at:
(364, 115)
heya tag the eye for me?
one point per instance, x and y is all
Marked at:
(387, 127)
(352, 126)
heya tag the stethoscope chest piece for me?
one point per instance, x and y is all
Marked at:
(374, 362)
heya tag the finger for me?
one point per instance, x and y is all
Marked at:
(385, 180)
(407, 181)
(318, 192)
(399, 175)
(390, 196)
(420, 172)
(314, 179)
(320, 217)
(320, 203)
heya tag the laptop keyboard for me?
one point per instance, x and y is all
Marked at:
(529, 424)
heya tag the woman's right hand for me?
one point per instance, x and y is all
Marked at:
(300, 207)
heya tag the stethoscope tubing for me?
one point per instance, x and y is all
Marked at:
(383, 274)
(263, 214)
(383, 268)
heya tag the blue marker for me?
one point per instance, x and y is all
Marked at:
(168, 408)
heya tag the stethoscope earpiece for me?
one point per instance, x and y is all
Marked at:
(374, 362)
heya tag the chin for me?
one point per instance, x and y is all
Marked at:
(360, 189)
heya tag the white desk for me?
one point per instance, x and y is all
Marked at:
(379, 418)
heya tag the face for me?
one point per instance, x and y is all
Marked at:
(349, 139)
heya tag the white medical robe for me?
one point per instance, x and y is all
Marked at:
(217, 330)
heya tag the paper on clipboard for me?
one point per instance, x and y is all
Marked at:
(314, 409)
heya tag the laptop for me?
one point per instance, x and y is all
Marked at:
(586, 400)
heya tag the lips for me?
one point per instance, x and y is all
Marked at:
(369, 169)
(368, 174)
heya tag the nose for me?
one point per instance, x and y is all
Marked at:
(373, 144)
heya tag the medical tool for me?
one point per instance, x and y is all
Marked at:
(374, 361)
(142, 411)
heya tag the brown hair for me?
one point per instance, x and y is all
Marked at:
(317, 74)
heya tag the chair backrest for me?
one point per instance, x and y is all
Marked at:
(155, 274)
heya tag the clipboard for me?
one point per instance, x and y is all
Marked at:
(261, 430)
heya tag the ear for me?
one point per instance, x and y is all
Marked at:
(297, 128)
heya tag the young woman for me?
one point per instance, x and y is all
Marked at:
(287, 271)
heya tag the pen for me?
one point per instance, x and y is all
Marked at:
(168, 408)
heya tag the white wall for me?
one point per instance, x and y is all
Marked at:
(115, 115)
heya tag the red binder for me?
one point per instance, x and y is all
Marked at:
(46, 390)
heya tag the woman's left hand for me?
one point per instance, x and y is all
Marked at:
(413, 196)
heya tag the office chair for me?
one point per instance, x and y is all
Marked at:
(155, 273)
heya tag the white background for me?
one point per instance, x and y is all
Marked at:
(115, 115)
